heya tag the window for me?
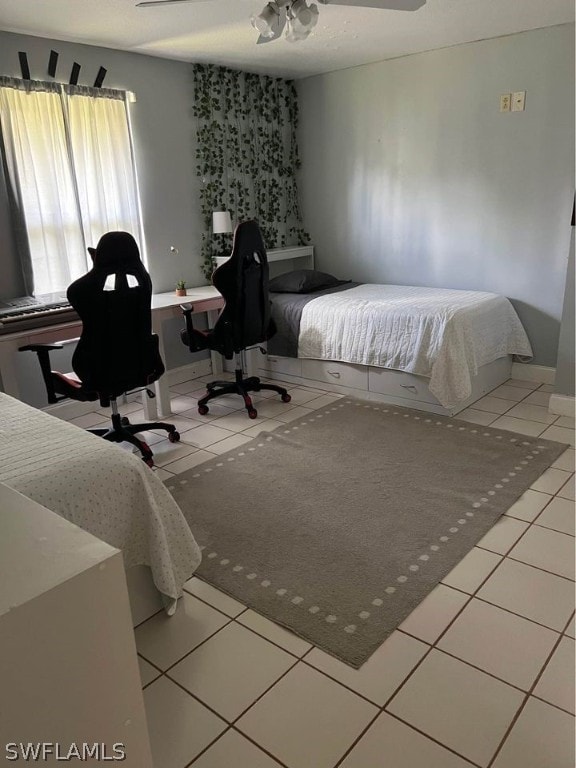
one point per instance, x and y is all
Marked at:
(70, 168)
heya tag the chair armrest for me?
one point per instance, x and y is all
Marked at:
(49, 347)
(190, 336)
(39, 347)
(43, 352)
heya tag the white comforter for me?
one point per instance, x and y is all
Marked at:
(442, 334)
(101, 488)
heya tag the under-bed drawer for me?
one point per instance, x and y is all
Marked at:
(277, 364)
(343, 374)
(399, 384)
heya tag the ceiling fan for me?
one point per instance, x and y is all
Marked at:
(296, 16)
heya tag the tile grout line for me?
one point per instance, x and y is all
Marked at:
(248, 738)
(435, 646)
(524, 703)
(254, 631)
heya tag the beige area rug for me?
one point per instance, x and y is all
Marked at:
(339, 524)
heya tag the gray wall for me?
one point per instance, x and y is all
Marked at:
(564, 383)
(411, 175)
(164, 140)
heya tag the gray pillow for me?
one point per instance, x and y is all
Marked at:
(303, 281)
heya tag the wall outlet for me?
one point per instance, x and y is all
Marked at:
(505, 102)
(518, 101)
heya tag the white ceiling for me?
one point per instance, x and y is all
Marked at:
(219, 31)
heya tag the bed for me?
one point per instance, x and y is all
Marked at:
(100, 487)
(437, 349)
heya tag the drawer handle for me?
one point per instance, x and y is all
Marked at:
(411, 387)
(335, 374)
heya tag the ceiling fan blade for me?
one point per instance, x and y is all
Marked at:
(148, 3)
(393, 5)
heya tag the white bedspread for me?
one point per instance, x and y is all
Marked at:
(100, 487)
(443, 334)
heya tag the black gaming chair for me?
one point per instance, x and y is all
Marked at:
(117, 351)
(245, 320)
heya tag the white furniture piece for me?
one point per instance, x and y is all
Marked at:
(380, 384)
(289, 258)
(368, 381)
(100, 487)
(68, 660)
(164, 305)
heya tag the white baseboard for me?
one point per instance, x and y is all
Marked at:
(562, 405)
(543, 374)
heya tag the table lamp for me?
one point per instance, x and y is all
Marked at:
(221, 226)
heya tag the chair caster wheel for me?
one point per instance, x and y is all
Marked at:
(125, 421)
(286, 398)
(203, 410)
(174, 437)
(252, 413)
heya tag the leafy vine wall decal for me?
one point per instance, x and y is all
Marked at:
(247, 156)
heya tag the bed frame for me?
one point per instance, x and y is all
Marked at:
(380, 384)
(363, 381)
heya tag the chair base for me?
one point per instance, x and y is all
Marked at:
(124, 432)
(242, 387)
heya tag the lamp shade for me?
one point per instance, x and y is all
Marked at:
(221, 222)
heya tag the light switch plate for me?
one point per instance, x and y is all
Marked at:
(518, 101)
(505, 102)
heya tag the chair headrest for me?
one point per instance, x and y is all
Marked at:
(247, 239)
(116, 252)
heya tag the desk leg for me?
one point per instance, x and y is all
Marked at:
(251, 362)
(163, 396)
(161, 404)
(215, 357)
(150, 407)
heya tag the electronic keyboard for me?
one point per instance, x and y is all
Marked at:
(29, 312)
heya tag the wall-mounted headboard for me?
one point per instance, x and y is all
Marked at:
(285, 259)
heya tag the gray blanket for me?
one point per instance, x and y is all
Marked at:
(287, 312)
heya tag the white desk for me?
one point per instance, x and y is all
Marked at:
(164, 305)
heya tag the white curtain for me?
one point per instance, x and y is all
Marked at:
(70, 165)
(103, 163)
(40, 174)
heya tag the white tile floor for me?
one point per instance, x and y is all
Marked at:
(480, 674)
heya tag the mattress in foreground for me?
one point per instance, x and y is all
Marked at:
(100, 487)
(443, 334)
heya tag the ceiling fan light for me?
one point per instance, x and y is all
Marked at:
(314, 14)
(266, 22)
(295, 32)
(302, 19)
